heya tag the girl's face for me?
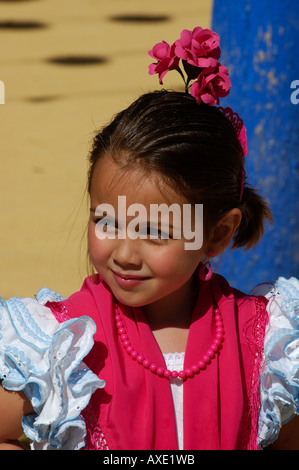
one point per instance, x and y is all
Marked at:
(139, 271)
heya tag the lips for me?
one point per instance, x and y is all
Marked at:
(128, 280)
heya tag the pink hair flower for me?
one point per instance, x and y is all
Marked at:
(200, 47)
(204, 77)
(211, 85)
(166, 59)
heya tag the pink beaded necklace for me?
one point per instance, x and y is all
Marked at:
(161, 371)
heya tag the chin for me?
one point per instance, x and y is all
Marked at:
(132, 299)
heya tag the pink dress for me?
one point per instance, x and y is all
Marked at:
(220, 402)
(88, 392)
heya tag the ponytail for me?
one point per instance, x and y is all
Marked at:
(255, 212)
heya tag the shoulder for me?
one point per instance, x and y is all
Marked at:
(279, 377)
(249, 308)
(44, 359)
(93, 299)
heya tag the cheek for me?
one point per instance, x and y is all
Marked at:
(91, 239)
(97, 249)
(174, 263)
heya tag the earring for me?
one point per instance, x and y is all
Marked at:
(205, 271)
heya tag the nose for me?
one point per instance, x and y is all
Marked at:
(126, 254)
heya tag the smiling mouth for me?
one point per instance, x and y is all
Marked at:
(128, 280)
(129, 276)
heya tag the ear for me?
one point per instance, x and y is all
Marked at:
(223, 232)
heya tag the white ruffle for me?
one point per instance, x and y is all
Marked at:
(280, 376)
(44, 359)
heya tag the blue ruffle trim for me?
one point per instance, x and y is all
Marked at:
(280, 377)
(44, 359)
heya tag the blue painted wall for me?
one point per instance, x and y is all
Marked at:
(260, 46)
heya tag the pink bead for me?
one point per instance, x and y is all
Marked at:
(216, 311)
(217, 342)
(189, 372)
(211, 353)
(219, 324)
(124, 337)
(119, 324)
(195, 368)
(201, 364)
(126, 344)
(206, 359)
(146, 363)
(214, 347)
(160, 371)
(117, 318)
(174, 374)
(121, 331)
(134, 354)
(182, 374)
(153, 367)
(167, 373)
(140, 359)
(218, 318)
(129, 349)
(219, 336)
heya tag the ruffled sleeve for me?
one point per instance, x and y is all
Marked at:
(280, 375)
(44, 359)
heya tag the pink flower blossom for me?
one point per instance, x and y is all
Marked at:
(167, 60)
(211, 85)
(199, 47)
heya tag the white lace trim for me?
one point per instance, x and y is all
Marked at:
(175, 361)
(279, 381)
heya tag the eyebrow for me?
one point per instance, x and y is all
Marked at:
(94, 210)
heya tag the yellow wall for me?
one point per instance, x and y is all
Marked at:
(50, 114)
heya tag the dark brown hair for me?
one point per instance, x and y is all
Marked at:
(196, 150)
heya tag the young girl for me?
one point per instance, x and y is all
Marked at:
(179, 359)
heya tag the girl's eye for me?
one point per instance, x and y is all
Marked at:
(155, 233)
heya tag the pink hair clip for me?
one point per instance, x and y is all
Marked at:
(240, 129)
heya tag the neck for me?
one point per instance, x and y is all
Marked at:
(174, 310)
